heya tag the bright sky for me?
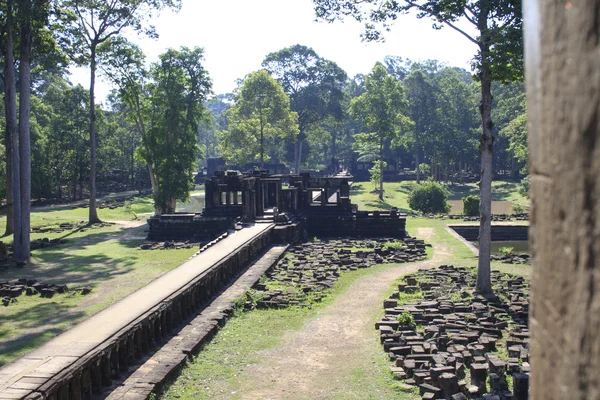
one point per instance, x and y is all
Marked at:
(238, 34)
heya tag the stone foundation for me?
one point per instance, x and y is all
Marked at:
(499, 232)
(75, 376)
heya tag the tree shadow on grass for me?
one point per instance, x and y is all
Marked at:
(79, 261)
(378, 205)
(36, 325)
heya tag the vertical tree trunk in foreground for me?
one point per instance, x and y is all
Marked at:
(9, 195)
(11, 127)
(563, 87)
(24, 134)
(484, 283)
(93, 215)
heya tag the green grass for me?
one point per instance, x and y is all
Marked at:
(216, 371)
(106, 258)
(396, 194)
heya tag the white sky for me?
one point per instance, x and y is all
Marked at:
(238, 34)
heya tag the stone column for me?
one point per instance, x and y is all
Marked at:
(563, 88)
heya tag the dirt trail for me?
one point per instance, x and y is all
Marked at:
(320, 360)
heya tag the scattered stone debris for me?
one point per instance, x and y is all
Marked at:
(188, 244)
(66, 226)
(110, 203)
(45, 242)
(453, 344)
(512, 258)
(495, 217)
(10, 290)
(311, 268)
(168, 245)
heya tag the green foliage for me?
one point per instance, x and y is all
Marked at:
(260, 122)
(180, 86)
(313, 83)
(380, 108)
(406, 318)
(425, 169)
(517, 209)
(471, 205)
(524, 186)
(375, 172)
(429, 198)
(393, 245)
(506, 250)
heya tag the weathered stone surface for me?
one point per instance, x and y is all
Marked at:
(464, 339)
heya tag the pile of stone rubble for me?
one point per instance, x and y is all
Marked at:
(455, 345)
(310, 268)
(10, 290)
(512, 258)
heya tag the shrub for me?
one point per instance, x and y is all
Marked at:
(471, 205)
(517, 209)
(524, 187)
(429, 198)
(406, 319)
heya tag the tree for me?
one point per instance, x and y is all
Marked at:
(421, 98)
(176, 107)
(314, 85)
(98, 21)
(261, 112)
(123, 63)
(33, 17)
(381, 109)
(12, 142)
(499, 58)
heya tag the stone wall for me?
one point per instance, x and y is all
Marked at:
(183, 226)
(499, 232)
(98, 368)
(362, 223)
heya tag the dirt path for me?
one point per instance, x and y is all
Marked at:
(328, 355)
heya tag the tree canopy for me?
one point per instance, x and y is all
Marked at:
(260, 117)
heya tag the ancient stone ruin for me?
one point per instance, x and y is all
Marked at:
(309, 269)
(454, 344)
(296, 203)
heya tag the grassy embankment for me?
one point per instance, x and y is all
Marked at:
(105, 257)
(220, 367)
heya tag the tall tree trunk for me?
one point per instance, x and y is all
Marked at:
(24, 132)
(486, 141)
(563, 108)
(417, 161)
(93, 213)
(381, 169)
(9, 174)
(417, 166)
(11, 126)
(298, 155)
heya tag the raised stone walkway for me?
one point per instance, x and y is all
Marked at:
(39, 373)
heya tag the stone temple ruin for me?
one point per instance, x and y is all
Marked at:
(295, 203)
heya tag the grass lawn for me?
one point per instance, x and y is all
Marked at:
(106, 258)
(396, 194)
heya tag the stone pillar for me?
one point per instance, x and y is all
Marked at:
(563, 102)
(344, 189)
